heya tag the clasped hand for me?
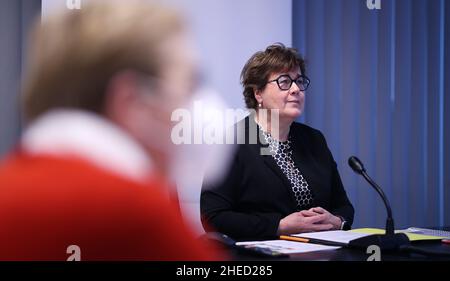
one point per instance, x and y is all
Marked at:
(314, 219)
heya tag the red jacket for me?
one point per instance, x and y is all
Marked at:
(48, 203)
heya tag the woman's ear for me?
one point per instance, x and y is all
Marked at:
(258, 96)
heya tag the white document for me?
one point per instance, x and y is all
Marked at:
(340, 236)
(287, 247)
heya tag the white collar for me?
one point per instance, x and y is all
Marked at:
(87, 135)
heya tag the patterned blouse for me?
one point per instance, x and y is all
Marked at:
(282, 154)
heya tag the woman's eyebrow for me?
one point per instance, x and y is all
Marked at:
(287, 74)
(298, 75)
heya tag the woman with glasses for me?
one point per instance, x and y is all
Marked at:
(283, 178)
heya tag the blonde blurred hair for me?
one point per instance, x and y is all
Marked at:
(73, 55)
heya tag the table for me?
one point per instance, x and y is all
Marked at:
(347, 254)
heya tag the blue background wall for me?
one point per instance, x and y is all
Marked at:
(380, 90)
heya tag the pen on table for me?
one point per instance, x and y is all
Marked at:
(315, 241)
(291, 238)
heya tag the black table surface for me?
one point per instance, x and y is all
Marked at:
(347, 254)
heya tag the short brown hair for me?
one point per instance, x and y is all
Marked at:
(258, 68)
(74, 54)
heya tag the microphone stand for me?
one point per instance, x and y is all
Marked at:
(389, 241)
(390, 220)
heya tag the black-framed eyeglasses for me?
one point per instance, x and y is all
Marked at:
(285, 82)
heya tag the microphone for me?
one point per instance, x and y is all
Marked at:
(358, 167)
(390, 240)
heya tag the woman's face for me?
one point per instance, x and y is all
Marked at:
(289, 102)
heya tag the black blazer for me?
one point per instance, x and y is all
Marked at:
(255, 194)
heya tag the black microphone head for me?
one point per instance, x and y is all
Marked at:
(356, 165)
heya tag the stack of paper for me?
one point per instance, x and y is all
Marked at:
(287, 247)
(317, 241)
(337, 236)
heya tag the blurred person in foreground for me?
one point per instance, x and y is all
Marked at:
(91, 167)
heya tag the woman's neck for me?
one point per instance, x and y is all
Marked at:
(278, 131)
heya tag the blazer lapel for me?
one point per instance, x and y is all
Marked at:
(302, 156)
(271, 163)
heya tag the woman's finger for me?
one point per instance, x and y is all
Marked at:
(320, 210)
(316, 218)
(308, 213)
(321, 227)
